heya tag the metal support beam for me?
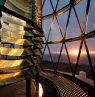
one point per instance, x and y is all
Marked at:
(28, 87)
(37, 84)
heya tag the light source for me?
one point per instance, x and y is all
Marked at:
(40, 90)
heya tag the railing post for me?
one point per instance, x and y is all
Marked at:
(37, 84)
(28, 87)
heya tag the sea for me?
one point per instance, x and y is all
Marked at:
(83, 59)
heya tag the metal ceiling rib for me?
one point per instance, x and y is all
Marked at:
(61, 11)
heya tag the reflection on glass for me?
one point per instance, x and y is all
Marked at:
(6, 76)
(5, 39)
(15, 51)
(16, 74)
(12, 19)
(14, 64)
(22, 8)
(40, 90)
(10, 78)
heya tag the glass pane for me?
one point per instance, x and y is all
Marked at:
(47, 5)
(10, 78)
(91, 48)
(62, 19)
(73, 27)
(55, 50)
(54, 2)
(46, 26)
(81, 9)
(46, 61)
(84, 64)
(62, 3)
(55, 33)
(73, 49)
(91, 18)
(64, 65)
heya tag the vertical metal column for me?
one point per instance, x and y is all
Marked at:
(0, 21)
(37, 84)
(39, 23)
(0, 17)
(28, 81)
(28, 87)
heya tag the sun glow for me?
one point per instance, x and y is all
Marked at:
(76, 51)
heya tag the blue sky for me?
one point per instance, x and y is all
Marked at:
(73, 28)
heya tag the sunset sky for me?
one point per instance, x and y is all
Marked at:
(73, 28)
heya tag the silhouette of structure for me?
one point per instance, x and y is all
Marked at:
(67, 34)
(68, 12)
